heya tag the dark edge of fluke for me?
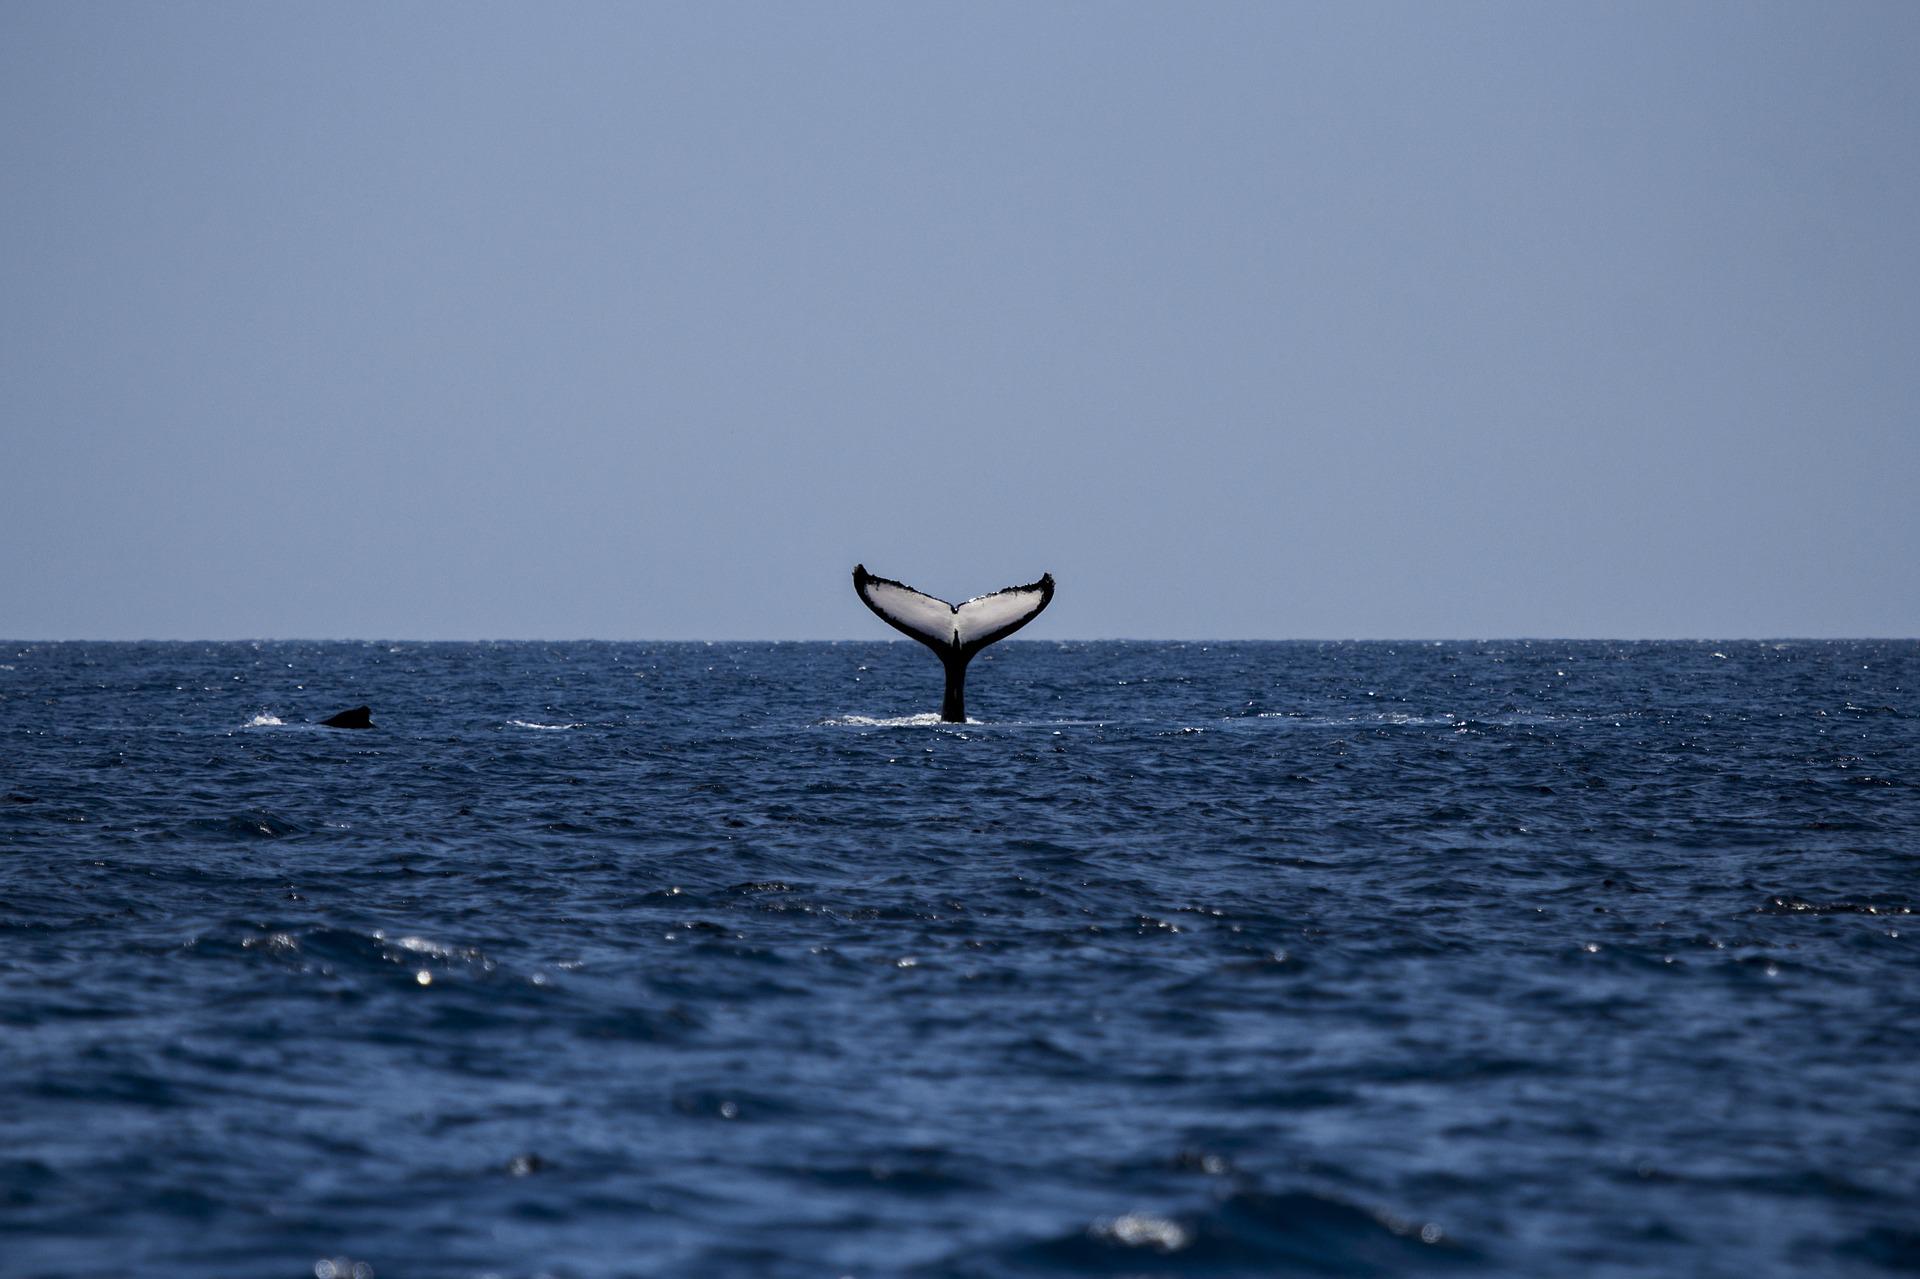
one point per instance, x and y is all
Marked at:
(358, 717)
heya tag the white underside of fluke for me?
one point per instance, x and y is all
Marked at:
(979, 621)
(935, 621)
(986, 615)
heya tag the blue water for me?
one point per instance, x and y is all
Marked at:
(1243, 959)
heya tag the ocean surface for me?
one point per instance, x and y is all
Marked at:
(595, 959)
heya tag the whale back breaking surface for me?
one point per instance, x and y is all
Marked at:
(358, 717)
(955, 632)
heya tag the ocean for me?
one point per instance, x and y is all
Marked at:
(624, 959)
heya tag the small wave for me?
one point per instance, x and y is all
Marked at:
(1783, 905)
(545, 728)
(255, 823)
(265, 721)
(1343, 721)
(345, 952)
(1402, 719)
(418, 946)
(1297, 1232)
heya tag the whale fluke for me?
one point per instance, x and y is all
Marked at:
(955, 632)
(358, 717)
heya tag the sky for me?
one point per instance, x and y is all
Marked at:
(649, 321)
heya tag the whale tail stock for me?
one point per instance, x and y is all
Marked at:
(955, 632)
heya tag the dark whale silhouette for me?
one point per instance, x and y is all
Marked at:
(358, 717)
(955, 632)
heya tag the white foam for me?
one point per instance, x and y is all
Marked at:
(265, 721)
(927, 720)
(418, 945)
(1143, 1230)
(547, 728)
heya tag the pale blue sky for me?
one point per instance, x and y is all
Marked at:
(1265, 320)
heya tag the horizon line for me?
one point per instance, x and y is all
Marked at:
(1105, 639)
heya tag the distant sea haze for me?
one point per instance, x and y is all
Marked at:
(602, 959)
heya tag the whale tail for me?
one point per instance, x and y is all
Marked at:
(955, 632)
